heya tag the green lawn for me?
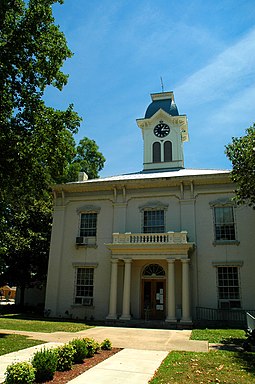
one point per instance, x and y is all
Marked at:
(213, 367)
(17, 322)
(221, 336)
(216, 366)
(12, 343)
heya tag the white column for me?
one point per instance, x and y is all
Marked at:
(126, 291)
(171, 317)
(186, 317)
(113, 291)
(57, 254)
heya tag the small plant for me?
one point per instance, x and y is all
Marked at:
(97, 346)
(20, 373)
(92, 346)
(45, 364)
(80, 350)
(65, 357)
(106, 345)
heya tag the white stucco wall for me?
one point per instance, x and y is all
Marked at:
(188, 208)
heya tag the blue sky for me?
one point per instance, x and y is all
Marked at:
(203, 50)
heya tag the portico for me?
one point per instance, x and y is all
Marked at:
(156, 259)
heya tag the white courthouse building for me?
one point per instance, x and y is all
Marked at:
(165, 243)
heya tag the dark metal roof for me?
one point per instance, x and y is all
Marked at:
(167, 105)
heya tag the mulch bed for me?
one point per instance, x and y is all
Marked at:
(77, 369)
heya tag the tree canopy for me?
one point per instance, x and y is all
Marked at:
(32, 136)
(241, 153)
(37, 146)
(86, 158)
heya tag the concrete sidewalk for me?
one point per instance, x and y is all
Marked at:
(127, 366)
(144, 350)
(134, 338)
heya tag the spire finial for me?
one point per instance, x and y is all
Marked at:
(162, 84)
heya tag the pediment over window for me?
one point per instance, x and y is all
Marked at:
(88, 209)
(84, 265)
(227, 263)
(153, 205)
(222, 202)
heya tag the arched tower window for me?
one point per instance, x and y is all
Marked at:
(156, 154)
(168, 151)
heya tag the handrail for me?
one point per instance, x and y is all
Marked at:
(150, 238)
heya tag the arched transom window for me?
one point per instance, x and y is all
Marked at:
(153, 270)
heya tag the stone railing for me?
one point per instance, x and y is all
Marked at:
(150, 238)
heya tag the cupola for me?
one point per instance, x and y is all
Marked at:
(164, 130)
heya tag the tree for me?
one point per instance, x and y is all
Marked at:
(241, 153)
(26, 245)
(34, 139)
(27, 236)
(87, 158)
(37, 146)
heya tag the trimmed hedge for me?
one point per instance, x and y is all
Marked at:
(80, 350)
(45, 364)
(47, 361)
(20, 373)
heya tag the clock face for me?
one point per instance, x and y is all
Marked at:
(161, 130)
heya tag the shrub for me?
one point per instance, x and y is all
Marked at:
(45, 364)
(20, 373)
(92, 346)
(106, 345)
(96, 346)
(65, 357)
(80, 350)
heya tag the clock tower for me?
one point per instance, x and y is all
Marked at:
(164, 132)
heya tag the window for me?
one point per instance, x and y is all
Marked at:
(224, 223)
(228, 288)
(156, 153)
(168, 151)
(154, 221)
(153, 270)
(88, 224)
(84, 286)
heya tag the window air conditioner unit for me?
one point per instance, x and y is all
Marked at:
(86, 301)
(81, 240)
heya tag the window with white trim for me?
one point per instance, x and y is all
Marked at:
(168, 151)
(224, 223)
(154, 221)
(228, 287)
(88, 224)
(84, 286)
(156, 158)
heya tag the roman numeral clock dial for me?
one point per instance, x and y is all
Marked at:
(161, 130)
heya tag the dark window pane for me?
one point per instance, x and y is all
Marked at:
(228, 287)
(84, 286)
(154, 221)
(224, 223)
(156, 153)
(168, 151)
(88, 225)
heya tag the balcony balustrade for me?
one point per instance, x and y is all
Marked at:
(150, 238)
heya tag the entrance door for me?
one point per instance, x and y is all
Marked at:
(153, 299)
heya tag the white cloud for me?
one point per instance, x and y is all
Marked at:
(223, 75)
(239, 108)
